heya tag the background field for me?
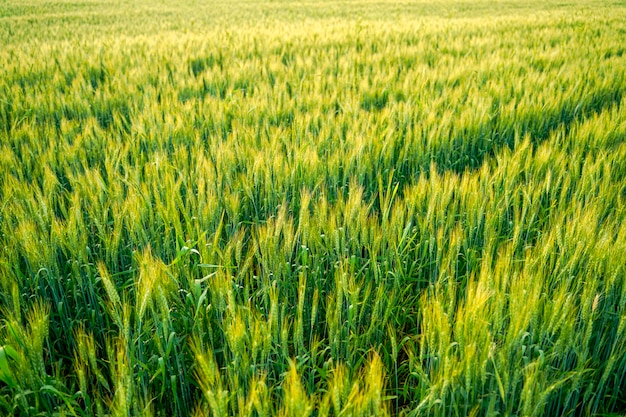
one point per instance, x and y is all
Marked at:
(339, 208)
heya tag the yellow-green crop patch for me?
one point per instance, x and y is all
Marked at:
(341, 208)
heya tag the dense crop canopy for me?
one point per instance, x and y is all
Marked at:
(313, 209)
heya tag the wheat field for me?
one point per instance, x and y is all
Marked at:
(298, 208)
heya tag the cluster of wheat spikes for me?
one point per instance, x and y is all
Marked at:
(419, 211)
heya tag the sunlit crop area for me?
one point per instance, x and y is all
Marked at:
(327, 208)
